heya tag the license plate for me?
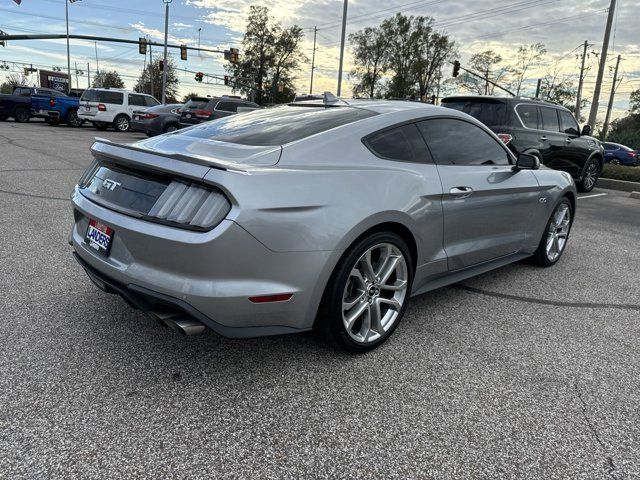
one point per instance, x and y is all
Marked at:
(99, 237)
(87, 109)
(188, 115)
(136, 117)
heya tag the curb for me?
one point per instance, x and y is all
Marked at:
(621, 185)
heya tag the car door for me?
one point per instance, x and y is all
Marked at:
(577, 148)
(553, 142)
(136, 102)
(486, 204)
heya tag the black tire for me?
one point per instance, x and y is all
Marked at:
(21, 115)
(615, 161)
(73, 120)
(541, 258)
(100, 125)
(589, 176)
(329, 322)
(170, 127)
(121, 123)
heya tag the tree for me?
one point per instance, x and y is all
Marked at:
(106, 79)
(13, 80)
(152, 76)
(560, 88)
(370, 59)
(402, 35)
(270, 57)
(528, 56)
(488, 64)
(431, 50)
(634, 101)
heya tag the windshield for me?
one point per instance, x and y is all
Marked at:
(278, 125)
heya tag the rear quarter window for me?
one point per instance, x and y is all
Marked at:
(114, 98)
(404, 143)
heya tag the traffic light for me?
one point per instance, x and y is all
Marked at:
(142, 46)
(183, 52)
(199, 76)
(162, 65)
(456, 68)
(226, 79)
(232, 55)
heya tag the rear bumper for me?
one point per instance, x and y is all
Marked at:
(138, 126)
(208, 275)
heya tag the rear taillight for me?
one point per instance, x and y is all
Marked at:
(149, 116)
(632, 154)
(202, 113)
(190, 205)
(102, 107)
(52, 102)
(505, 137)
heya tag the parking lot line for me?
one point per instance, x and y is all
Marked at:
(593, 196)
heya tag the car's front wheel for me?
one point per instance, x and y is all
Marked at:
(555, 237)
(367, 294)
(73, 120)
(590, 176)
(21, 115)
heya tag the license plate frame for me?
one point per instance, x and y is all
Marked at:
(99, 237)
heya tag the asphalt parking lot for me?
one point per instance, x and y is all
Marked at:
(520, 373)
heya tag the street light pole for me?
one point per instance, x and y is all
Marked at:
(166, 35)
(344, 29)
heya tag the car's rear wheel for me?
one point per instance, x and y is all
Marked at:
(615, 161)
(121, 123)
(367, 294)
(590, 176)
(21, 115)
(555, 237)
(172, 127)
(73, 120)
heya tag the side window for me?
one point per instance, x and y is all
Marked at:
(401, 143)
(114, 98)
(568, 124)
(456, 142)
(529, 115)
(227, 106)
(549, 119)
(137, 100)
(150, 101)
(22, 92)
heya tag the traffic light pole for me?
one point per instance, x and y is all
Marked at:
(485, 79)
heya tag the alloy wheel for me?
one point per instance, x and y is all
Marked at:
(123, 124)
(558, 232)
(615, 161)
(375, 292)
(590, 176)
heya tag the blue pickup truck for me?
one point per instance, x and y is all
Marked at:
(56, 109)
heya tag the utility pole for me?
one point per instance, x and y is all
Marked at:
(614, 86)
(95, 44)
(66, 16)
(538, 87)
(199, 53)
(581, 81)
(76, 66)
(166, 35)
(88, 76)
(344, 30)
(603, 62)
(313, 59)
(151, 70)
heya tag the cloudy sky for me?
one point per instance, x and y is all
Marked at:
(477, 25)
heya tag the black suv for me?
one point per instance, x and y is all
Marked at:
(203, 109)
(544, 129)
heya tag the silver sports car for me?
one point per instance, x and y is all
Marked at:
(321, 215)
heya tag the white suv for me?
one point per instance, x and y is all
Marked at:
(112, 106)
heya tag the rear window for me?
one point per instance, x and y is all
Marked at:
(490, 112)
(102, 96)
(196, 103)
(401, 143)
(227, 106)
(278, 125)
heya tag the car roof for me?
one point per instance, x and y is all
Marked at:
(531, 101)
(377, 106)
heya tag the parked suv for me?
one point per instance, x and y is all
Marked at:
(546, 130)
(105, 107)
(203, 109)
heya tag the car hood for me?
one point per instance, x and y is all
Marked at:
(213, 152)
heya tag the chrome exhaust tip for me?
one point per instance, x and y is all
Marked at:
(179, 323)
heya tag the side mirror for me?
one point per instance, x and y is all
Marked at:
(586, 130)
(526, 161)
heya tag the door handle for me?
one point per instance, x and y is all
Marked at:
(568, 140)
(461, 192)
(544, 139)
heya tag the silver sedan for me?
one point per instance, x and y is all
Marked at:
(322, 215)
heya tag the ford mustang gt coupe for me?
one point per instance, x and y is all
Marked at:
(322, 215)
